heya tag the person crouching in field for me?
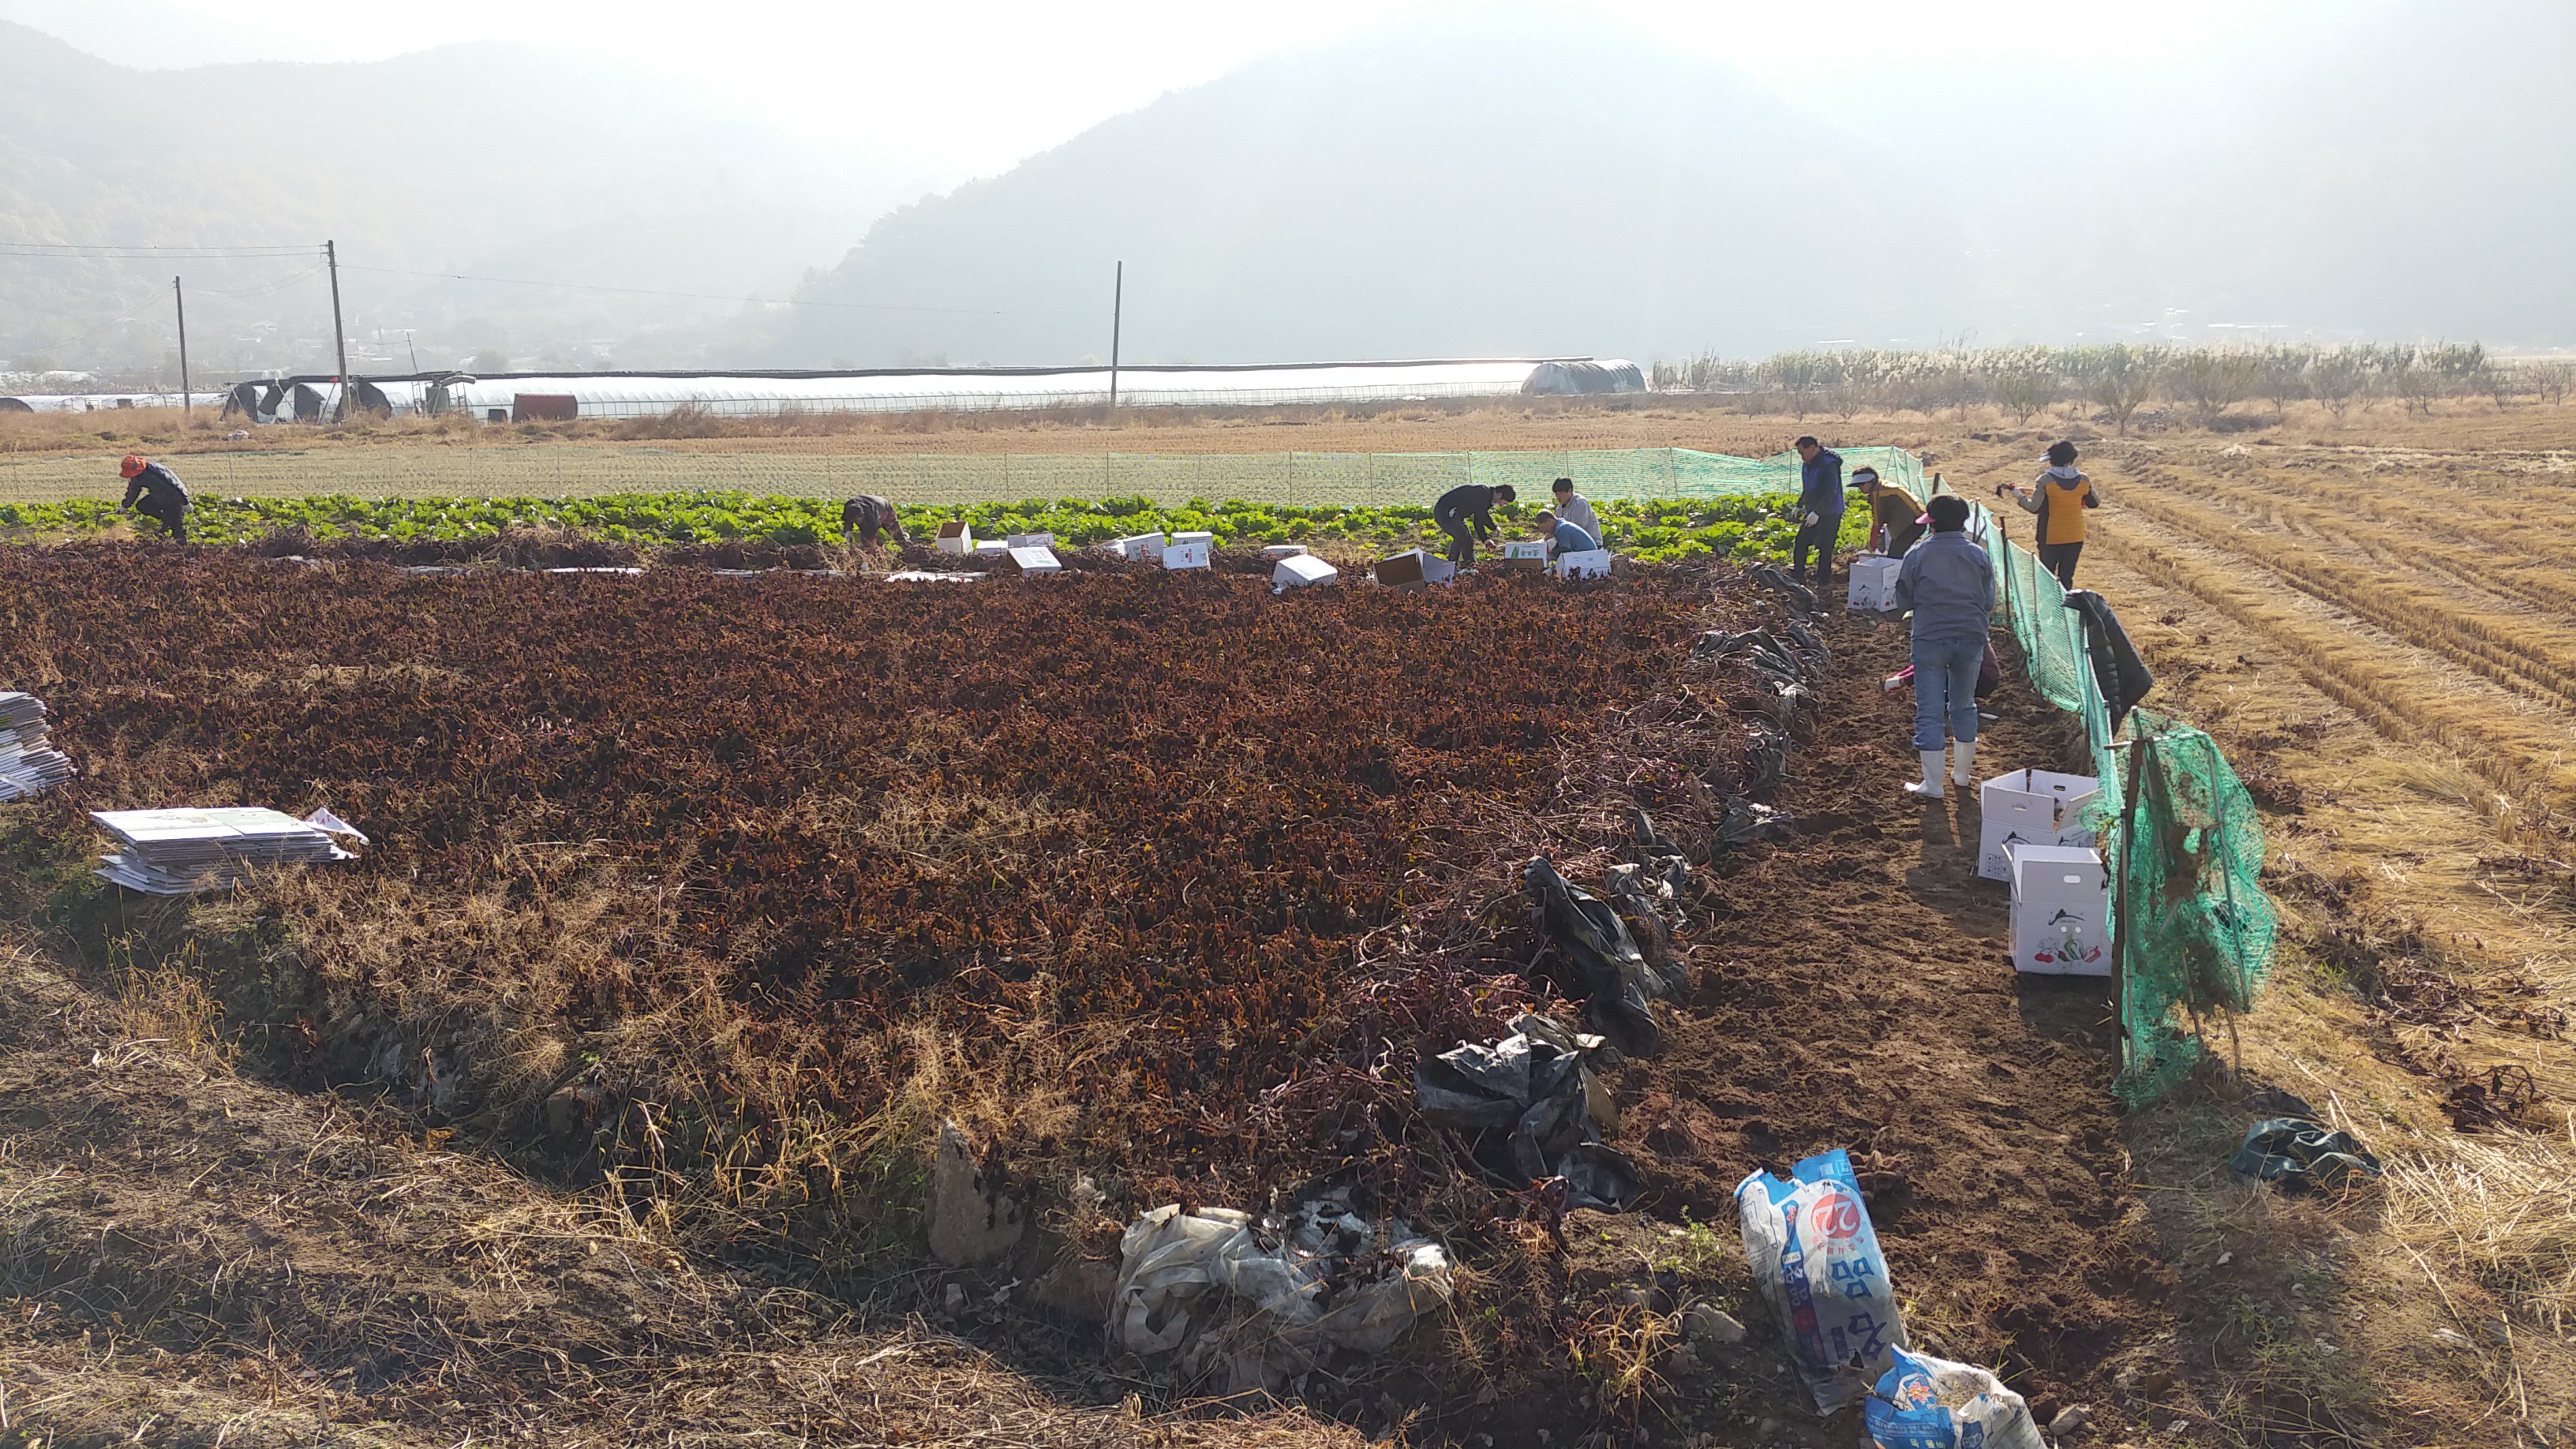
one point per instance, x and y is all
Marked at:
(1563, 535)
(1949, 583)
(863, 517)
(1466, 514)
(1896, 519)
(1576, 509)
(2060, 496)
(152, 490)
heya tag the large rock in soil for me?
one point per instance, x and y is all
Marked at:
(971, 1221)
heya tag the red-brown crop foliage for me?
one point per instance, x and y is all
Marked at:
(1173, 803)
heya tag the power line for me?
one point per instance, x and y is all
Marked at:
(717, 297)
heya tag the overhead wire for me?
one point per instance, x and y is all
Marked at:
(720, 297)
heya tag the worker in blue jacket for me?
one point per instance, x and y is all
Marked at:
(1949, 584)
(1820, 512)
(1564, 535)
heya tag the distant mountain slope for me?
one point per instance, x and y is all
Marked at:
(1531, 187)
(1414, 195)
(485, 158)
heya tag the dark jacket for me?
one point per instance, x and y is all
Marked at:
(159, 484)
(1467, 503)
(1820, 485)
(2118, 672)
(869, 513)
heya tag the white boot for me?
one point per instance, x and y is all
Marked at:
(1963, 763)
(1929, 787)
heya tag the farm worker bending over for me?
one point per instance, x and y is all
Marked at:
(1820, 512)
(1576, 509)
(2059, 497)
(1465, 506)
(864, 516)
(162, 497)
(1564, 535)
(1949, 583)
(1896, 520)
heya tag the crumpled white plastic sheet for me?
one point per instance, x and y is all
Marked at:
(1253, 1304)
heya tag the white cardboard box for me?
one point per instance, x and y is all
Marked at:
(2061, 911)
(1301, 570)
(1590, 563)
(991, 547)
(2031, 807)
(956, 536)
(1873, 583)
(1206, 538)
(1031, 560)
(1190, 555)
(1033, 540)
(1276, 551)
(1146, 546)
(1413, 569)
(1525, 556)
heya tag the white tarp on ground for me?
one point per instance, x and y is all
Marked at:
(1219, 1296)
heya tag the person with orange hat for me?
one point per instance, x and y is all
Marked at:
(152, 490)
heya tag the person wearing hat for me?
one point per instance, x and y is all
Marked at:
(2060, 497)
(1949, 584)
(152, 490)
(1896, 519)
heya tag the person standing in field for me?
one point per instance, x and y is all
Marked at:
(1949, 584)
(1820, 512)
(152, 490)
(2060, 497)
(863, 517)
(1466, 514)
(1576, 509)
(1896, 519)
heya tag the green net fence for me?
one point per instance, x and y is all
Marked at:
(2180, 834)
(584, 470)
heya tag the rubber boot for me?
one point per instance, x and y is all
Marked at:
(1963, 763)
(1929, 787)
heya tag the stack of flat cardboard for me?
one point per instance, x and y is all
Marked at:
(27, 762)
(184, 852)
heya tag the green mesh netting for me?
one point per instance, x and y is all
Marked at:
(2179, 832)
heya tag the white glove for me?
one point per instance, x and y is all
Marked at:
(1813, 520)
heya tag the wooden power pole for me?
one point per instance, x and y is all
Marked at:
(178, 294)
(1117, 317)
(339, 334)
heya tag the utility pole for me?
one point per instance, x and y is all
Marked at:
(339, 335)
(1117, 317)
(187, 403)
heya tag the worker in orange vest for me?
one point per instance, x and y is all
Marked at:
(2060, 497)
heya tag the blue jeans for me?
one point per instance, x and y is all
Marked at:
(1945, 691)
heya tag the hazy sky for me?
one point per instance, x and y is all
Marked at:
(962, 89)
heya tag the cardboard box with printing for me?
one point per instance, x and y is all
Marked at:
(1187, 551)
(1145, 546)
(1298, 571)
(1031, 560)
(2061, 911)
(1525, 556)
(1590, 563)
(1873, 584)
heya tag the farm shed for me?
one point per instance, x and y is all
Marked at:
(84, 402)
